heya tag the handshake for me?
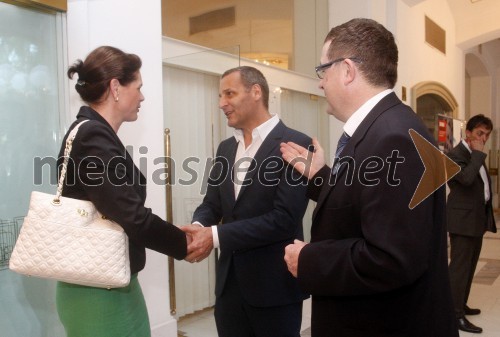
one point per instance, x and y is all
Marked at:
(200, 244)
(199, 240)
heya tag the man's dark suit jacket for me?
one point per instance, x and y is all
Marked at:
(374, 266)
(467, 212)
(107, 176)
(256, 227)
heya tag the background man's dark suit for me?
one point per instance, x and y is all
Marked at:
(469, 217)
(372, 259)
(256, 227)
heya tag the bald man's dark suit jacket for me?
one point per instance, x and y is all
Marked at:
(374, 266)
(256, 227)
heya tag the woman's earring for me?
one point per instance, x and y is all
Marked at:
(116, 99)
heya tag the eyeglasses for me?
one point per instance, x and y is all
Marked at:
(320, 70)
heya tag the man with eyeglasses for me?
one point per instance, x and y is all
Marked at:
(375, 267)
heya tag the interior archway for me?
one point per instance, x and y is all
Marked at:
(439, 92)
(432, 99)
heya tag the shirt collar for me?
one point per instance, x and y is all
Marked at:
(262, 131)
(466, 145)
(359, 115)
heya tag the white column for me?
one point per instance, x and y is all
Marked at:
(310, 26)
(134, 27)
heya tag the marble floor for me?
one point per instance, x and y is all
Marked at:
(202, 324)
(485, 294)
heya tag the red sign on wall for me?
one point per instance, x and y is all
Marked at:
(442, 130)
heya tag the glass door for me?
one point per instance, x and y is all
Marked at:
(31, 73)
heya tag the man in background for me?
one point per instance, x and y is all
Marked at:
(470, 214)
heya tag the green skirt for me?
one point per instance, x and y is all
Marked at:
(95, 312)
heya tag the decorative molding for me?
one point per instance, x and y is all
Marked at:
(219, 18)
(47, 5)
(434, 88)
(59, 5)
(412, 3)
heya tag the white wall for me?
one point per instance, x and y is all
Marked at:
(310, 22)
(421, 62)
(485, 97)
(418, 61)
(496, 97)
(480, 95)
(135, 27)
(477, 22)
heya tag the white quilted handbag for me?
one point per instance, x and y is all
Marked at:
(69, 240)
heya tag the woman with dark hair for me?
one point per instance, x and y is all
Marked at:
(102, 171)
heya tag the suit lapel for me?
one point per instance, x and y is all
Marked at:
(467, 155)
(490, 218)
(227, 187)
(465, 152)
(349, 150)
(267, 147)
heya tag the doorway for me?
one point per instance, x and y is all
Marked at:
(431, 99)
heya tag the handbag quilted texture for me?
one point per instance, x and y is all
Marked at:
(69, 240)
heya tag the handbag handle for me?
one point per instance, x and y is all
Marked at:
(67, 151)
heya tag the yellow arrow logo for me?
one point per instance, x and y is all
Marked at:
(438, 169)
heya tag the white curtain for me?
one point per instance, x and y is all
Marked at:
(306, 113)
(191, 114)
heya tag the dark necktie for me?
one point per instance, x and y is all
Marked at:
(340, 146)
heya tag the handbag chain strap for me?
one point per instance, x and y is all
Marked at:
(67, 151)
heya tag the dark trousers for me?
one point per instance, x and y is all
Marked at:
(464, 255)
(234, 317)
